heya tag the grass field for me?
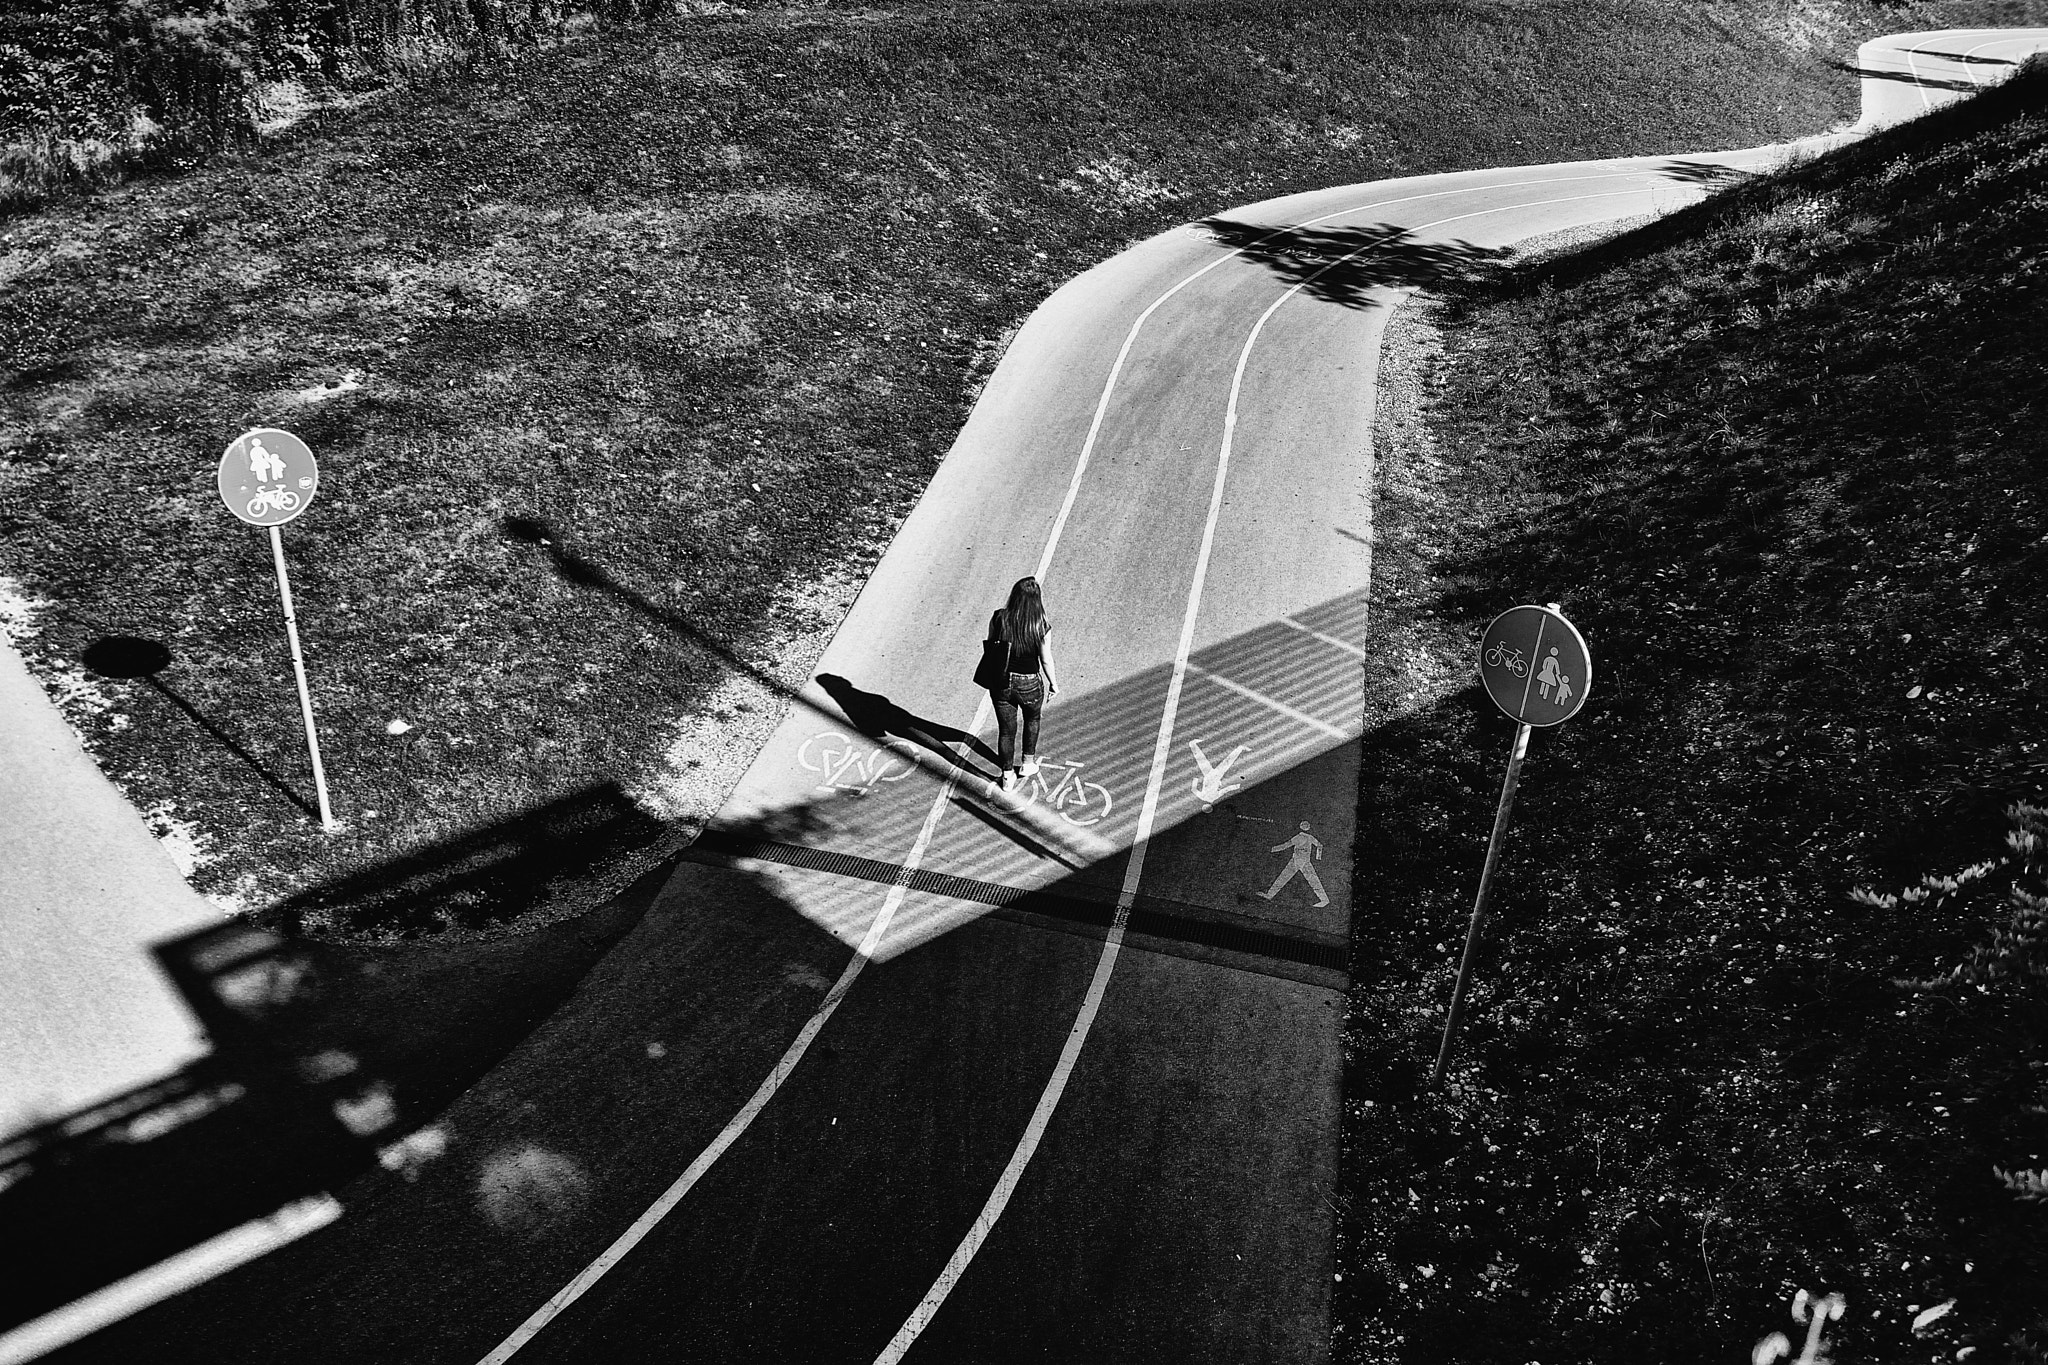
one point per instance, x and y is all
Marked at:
(1780, 457)
(697, 308)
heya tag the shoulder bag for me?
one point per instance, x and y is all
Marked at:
(993, 672)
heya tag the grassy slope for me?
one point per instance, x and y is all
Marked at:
(615, 287)
(1781, 458)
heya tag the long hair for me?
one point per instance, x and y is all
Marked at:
(1024, 620)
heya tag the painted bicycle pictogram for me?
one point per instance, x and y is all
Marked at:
(1500, 656)
(1074, 799)
(282, 498)
(849, 765)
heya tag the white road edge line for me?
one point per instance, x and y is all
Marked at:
(645, 1223)
(192, 1266)
(1084, 1022)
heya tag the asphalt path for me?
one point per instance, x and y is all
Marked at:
(900, 1066)
(1031, 1143)
(1179, 444)
(1909, 74)
(84, 1013)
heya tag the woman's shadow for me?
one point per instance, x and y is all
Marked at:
(875, 716)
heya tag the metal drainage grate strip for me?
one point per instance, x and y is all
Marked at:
(1147, 916)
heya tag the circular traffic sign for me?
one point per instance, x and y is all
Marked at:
(267, 476)
(1535, 665)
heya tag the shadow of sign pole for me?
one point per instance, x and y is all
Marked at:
(1537, 668)
(132, 657)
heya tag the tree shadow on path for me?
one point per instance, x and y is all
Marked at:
(1706, 173)
(1344, 265)
(1906, 77)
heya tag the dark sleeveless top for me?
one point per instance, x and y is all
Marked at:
(1023, 658)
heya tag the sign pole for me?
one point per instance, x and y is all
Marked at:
(266, 477)
(1537, 668)
(1500, 826)
(291, 630)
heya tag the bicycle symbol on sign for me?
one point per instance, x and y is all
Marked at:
(1500, 656)
(1076, 801)
(850, 766)
(282, 498)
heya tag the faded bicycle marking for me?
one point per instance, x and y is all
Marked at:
(1075, 800)
(848, 765)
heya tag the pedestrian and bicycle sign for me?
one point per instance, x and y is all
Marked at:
(1537, 668)
(267, 476)
(1535, 665)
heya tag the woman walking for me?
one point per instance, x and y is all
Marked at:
(1022, 626)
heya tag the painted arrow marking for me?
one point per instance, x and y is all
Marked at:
(1210, 789)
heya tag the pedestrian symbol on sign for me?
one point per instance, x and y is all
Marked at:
(267, 467)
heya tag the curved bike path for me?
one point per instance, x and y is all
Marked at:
(1179, 441)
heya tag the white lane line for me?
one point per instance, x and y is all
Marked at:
(2034, 41)
(1105, 966)
(195, 1265)
(1918, 50)
(1331, 640)
(741, 1121)
(1077, 1037)
(1162, 749)
(1913, 70)
(1271, 703)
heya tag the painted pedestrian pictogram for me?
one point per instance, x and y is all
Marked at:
(1209, 788)
(1304, 847)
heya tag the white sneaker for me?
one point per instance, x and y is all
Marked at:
(1009, 780)
(1030, 768)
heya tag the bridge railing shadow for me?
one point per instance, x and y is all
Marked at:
(333, 1059)
(328, 1057)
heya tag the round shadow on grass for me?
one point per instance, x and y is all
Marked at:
(126, 656)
